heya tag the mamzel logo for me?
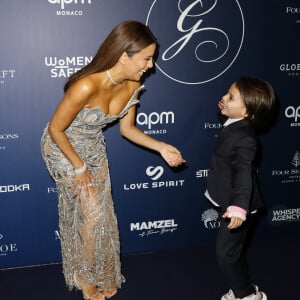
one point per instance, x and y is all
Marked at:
(191, 41)
(154, 227)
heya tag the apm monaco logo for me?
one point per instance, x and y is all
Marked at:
(154, 227)
(278, 216)
(64, 7)
(7, 248)
(14, 188)
(210, 219)
(200, 39)
(66, 66)
(155, 119)
(293, 113)
(291, 175)
(6, 74)
(155, 174)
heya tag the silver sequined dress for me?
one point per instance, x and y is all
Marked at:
(88, 226)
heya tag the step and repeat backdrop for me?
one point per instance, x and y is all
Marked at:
(204, 46)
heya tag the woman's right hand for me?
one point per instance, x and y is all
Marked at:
(171, 155)
(84, 182)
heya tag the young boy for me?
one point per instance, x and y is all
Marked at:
(232, 183)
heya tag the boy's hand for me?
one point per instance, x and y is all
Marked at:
(234, 221)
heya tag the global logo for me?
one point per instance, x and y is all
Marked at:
(199, 41)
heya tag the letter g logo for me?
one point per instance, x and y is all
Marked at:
(199, 40)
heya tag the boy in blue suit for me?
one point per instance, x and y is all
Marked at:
(232, 183)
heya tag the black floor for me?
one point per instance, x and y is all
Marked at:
(189, 274)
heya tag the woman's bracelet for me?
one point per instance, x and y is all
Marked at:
(80, 170)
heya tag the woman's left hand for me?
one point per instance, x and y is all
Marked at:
(171, 155)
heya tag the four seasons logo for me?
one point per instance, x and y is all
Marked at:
(296, 160)
(290, 175)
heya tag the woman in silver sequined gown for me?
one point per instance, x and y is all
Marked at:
(74, 151)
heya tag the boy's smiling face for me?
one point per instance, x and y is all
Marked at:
(232, 104)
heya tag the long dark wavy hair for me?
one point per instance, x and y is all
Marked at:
(129, 36)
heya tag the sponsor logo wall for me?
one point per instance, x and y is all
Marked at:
(204, 46)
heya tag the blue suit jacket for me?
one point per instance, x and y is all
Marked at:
(232, 177)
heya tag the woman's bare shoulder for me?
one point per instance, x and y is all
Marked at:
(83, 88)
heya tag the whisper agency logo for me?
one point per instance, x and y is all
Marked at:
(198, 42)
